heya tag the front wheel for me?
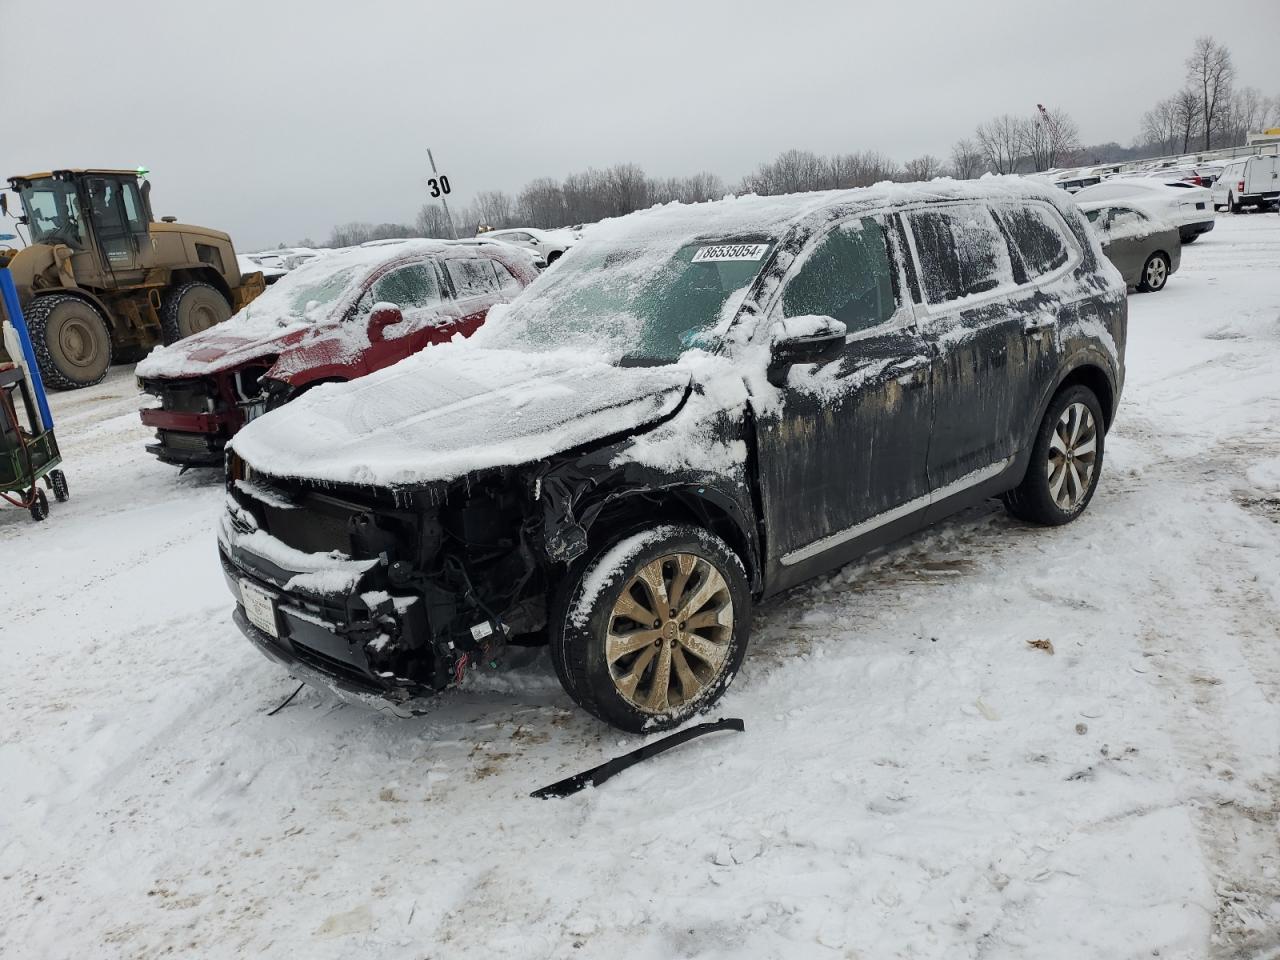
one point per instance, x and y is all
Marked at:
(1066, 461)
(1155, 273)
(653, 629)
(39, 506)
(71, 340)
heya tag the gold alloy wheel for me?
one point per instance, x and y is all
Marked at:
(669, 632)
(1073, 451)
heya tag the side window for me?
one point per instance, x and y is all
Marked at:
(1037, 239)
(507, 281)
(848, 276)
(472, 277)
(961, 252)
(410, 288)
(133, 208)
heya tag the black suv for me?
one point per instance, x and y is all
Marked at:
(702, 405)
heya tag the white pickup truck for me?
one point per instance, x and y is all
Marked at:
(1247, 182)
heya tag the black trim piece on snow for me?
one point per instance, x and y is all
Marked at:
(598, 775)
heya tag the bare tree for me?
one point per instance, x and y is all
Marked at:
(431, 222)
(1160, 126)
(493, 208)
(1049, 138)
(862, 169)
(1249, 109)
(793, 171)
(966, 160)
(1211, 73)
(1186, 111)
(922, 168)
(627, 189)
(541, 204)
(1000, 141)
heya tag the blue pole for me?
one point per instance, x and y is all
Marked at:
(14, 311)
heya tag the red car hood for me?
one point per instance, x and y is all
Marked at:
(218, 349)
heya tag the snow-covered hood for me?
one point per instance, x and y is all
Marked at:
(454, 410)
(221, 348)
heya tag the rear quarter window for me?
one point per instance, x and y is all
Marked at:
(1036, 236)
(473, 277)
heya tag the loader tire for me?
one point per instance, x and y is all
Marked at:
(71, 340)
(191, 308)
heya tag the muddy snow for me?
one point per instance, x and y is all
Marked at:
(921, 776)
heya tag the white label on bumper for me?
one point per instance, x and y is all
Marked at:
(260, 608)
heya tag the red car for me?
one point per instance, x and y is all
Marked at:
(334, 319)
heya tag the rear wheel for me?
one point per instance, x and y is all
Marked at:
(1066, 461)
(1232, 205)
(71, 340)
(1155, 273)
(191, 308)
(39, 506)
(653, 628)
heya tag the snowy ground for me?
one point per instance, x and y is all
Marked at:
(915, 779)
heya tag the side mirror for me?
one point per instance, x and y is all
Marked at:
(803, 340)
(534, 241)
(384, 315)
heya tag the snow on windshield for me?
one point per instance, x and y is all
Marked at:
(651, 284)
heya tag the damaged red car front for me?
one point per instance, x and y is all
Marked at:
(333, 320)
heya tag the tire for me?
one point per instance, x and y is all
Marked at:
(1155, 273)
(1036, 499)
(1189, 238)
(1232, 205)
(58, 483)
(191, 308)
(629, 693)
(130, 354)
(40, 507)
(71, 339)
(553, 256)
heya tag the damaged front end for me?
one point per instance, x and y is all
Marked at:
(394, 593)
(197, 416)
(391, 593)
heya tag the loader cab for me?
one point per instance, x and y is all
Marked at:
(103, 213)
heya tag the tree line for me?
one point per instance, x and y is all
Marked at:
(1208, 111)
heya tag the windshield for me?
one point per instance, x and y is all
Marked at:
(307, 295)
(635, 307)
(53, 212)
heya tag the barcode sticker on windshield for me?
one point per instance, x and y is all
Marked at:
(731, 251)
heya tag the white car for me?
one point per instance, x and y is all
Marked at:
(269, 265)
(1247, 182)
(1188, 207)
(550, 243)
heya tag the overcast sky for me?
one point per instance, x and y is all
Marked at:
(276, 120)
